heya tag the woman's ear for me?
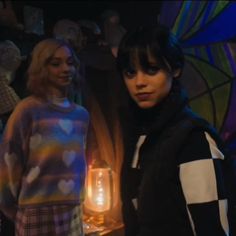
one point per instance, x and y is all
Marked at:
(176, 73)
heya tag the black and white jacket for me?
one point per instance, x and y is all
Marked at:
(171, 180)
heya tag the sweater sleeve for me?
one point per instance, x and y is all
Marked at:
(13, 152)
(202, 183)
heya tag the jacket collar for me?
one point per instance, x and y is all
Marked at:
(158, 117)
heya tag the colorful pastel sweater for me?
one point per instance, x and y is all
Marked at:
(42, 155)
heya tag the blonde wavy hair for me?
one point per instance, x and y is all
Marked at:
(37, 72)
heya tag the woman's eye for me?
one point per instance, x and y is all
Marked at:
(71, 63)
(129, 73)
(55, 64)
(152, 70)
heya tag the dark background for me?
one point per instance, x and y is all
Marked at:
(131, 12)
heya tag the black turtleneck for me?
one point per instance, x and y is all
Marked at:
(157, 117)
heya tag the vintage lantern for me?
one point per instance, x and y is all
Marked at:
(99, 193)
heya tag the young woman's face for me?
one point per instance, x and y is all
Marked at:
(61, 69)
(148, 88)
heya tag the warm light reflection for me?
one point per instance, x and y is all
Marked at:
(99, 190)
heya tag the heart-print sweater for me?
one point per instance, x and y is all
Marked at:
(42, 155)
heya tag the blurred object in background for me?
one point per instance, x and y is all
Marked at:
(112, 29)
(7, 15)
(33, 19)
(10, 59)
(69, 31)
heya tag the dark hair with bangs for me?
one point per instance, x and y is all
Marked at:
(144, 42)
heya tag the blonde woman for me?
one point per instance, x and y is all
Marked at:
(42, 157)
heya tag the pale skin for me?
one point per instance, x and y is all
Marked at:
(148, 88)
(61, 70)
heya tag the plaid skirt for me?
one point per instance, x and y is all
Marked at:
(60, 220)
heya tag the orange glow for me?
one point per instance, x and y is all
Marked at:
(99, 190)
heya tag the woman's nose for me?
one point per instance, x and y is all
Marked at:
(66, 67)
(140, 79)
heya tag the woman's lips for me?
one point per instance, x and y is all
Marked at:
(65, 78)
(143, 96)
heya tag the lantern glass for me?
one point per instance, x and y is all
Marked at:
(100, 198)
(99, 189)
